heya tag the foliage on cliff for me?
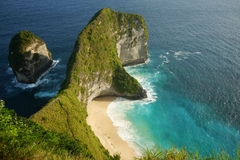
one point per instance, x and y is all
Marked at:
(21, 138)
(66, 114)
(95, 51)
(119, 21)
(64, 117)
(28, 56)
(94, 57)
(21, 40)
(61, 131)
(18, 45)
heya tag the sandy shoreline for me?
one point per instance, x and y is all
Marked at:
(104, 129)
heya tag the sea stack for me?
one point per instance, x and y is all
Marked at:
(28, 57)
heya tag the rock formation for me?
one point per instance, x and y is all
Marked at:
(28, 56)
(131, 43)
(94, 64)
(94, 69)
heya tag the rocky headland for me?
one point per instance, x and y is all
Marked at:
(28, 57)
(110, 40)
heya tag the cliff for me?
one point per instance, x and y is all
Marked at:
(94, 69)
(28, 56)
(94, 65)
(131, 39)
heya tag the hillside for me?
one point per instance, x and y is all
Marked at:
(94, 69)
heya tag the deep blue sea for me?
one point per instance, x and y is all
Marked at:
(192, 76)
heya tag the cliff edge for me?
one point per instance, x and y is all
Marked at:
(95, 65)
(28, 57)
(95, 69)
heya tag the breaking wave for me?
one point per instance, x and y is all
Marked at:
(41, 81)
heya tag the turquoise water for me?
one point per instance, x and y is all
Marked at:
(168, 119)
(192, 76)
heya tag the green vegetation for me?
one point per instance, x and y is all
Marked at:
(65, 114)
(18, 46)
(158, 153)
(60, 130)
(95, 52)
(121, 22)
(162, 154)
(19, 42)
(94, 58)
(21, 138)
(119, 80)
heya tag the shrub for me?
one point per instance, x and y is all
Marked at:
(158, 153)
(21, 138)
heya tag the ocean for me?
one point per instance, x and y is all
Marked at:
(192, 76)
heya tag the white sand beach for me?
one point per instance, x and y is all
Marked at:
(104, 129)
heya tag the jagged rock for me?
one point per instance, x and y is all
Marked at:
(29, 57)
(110, 40)
(132, 43)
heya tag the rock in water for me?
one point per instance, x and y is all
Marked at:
(28, 56)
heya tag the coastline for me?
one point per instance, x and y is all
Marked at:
(104, 129)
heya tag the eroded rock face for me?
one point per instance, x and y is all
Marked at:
(132, 47)
(29, 57)
(110, 40)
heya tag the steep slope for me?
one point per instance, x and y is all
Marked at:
(94, 65)
(94, 69)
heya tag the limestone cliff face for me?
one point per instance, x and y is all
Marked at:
(28, 56)
(110, 40)
(132, 46)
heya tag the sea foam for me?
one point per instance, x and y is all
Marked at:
(118, 111)
(43, 84)
(40, 81)
(179, 55)
(166, 118)
(176, 55)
